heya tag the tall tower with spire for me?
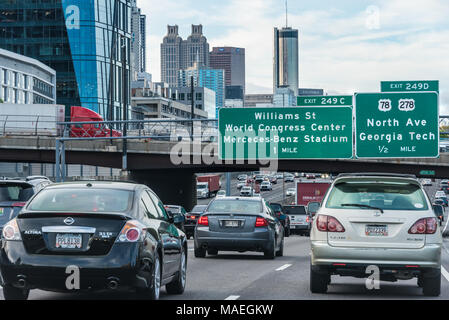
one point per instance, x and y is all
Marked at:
(286, 57)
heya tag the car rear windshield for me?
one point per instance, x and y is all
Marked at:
(174, 209)
(235, 206)
(82, 200)
(295, 210)
(199, 209)
(383, 195)
(276, 207)
(15, 192)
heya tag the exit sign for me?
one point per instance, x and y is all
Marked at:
(404, 86)
(315, 101)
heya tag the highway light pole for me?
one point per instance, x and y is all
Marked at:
(192, 114)
(125, 104)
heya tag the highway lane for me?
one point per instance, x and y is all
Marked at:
(248, 276)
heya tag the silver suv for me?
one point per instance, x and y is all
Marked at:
(379, 220)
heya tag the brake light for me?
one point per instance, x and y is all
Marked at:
(329, 224)
(19, 204)
(11, 231)
(307, 219)
(203, 221)
(132, 231)
(193, 217)
(261, 222)
(424, 226)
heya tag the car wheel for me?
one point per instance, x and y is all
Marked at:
(188, 236)
(212, 252)
(420, 281)
(271, 252)
(318, 281)
(432, 284)
(199, 252)
(280, 253)
(178, 286)
(287, 232)
(13, 293)
(155, 289)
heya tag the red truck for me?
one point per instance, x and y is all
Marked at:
(208, 186)
(80, 114)
(311, 191)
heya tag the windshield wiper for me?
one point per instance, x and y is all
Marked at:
(361, 206)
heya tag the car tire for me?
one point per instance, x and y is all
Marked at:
(318, 281)
(271, 252)
(199, 252)
(188, 236)
(432, 284)
(420, 281)
(179, 284)
(280, 253)
(287, 232)
(212, 252)
(13, 293)
(156, 278)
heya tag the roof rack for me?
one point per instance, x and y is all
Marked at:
(376, 174)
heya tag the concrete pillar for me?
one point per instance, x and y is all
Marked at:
(173, 187)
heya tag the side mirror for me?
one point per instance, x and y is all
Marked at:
(171, 217)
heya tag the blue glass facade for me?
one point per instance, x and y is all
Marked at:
(81, 40)
(213, 79)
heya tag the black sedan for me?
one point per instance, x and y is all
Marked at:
(192, 218)
(239, 224)
(93, 236)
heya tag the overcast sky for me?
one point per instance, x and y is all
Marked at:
(345, 46)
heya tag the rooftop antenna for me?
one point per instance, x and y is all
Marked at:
(286, 13)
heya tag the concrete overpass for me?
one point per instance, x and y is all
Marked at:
(150, 162)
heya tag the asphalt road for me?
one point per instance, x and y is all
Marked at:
(248, 276)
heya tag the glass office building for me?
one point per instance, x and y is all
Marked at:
(286, 59)
(80, 39)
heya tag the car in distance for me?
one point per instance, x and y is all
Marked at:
(299, 219)
(438, 209)
(192, 218)
(221, 193)
(266, 186)
(240, 185)
(290, 192)
(242, 177)
(426, 182)
(116, 233)
(381, 220)
(14, 195)
(289, 178)
(239, 224)
(179, 215)
(283, 218)
(246, 191)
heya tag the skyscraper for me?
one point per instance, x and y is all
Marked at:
(82, 41)
(205, 77)
(286, 59)
(178, 54)
(138, 40)
(232, 60)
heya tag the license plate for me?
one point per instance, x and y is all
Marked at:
(231, 224)
(376, 231)
(68, 241)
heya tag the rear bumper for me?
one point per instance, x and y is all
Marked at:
(300, 227)
(259, 240)
(48, 272)
(325, 255)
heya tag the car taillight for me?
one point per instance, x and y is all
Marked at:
(11, 231)
(308, 219)
(133, 231)
(203, 221)
(18, 204)
(278, 213)
(329, 224)
(193, 217)
(261, 222)
(424, 226)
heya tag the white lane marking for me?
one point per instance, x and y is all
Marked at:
(445, 273)
(285, 266)
(191, 249)
(232, 298)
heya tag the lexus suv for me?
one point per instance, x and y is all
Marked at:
(378, 222)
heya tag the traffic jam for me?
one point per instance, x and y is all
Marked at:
(120, 240)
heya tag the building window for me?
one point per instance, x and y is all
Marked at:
(5, 76)
(5, 94)
(199, 96)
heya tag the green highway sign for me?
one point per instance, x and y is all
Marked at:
(427, 173)
(285, 133)
(397, 125)
(405, 86)
(324, 101)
